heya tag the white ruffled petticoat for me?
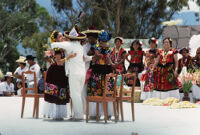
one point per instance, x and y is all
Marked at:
(163, 95)
(54, 111)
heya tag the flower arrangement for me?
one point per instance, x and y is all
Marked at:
(186, 80)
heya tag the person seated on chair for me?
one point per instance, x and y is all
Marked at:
(34, 67)
(18, 72)
(41, 83)
(19, 88)
(7, 87)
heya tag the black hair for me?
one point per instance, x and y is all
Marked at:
(170, 40)
(23, 64)
(55, 35)
(138, 43)
(95, 35)
(119, 40)
(6, 77)
(152, 51)
(152, 41)
(58, 52)
(184, 49)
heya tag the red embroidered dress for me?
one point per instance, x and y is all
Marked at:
(164, 76)
(136, 56)
(136, 65)
(149, 76)
(118, 57)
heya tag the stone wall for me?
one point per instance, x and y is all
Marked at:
(180, 34)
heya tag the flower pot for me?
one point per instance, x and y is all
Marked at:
(186, 97)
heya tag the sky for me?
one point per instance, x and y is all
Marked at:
(186, 15)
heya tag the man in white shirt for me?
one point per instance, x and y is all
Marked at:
(7, 87)
(22, 68)
(75, 69)
(34, 67)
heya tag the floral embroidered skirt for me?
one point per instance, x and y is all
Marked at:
(54, 94)
(57, 87)
(134, 68)
(149, 83)
(165, 79)
(96, 82)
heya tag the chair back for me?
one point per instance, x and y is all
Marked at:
(25, 89)
(110, 78)
(128, 92)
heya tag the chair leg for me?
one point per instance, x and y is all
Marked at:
(23, 104)
(34, 108)
(71, 106)
(121, 110)
(37, 112)
(117, 110)
(97, 111)
(105, 111)
(132, 108)
(87, 110)
(114, 109)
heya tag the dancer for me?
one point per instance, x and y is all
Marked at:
(166, 83)
(136, 61)
(100, 67)
(57, 87)
(118, 56)
(75, 70)
(89, 51)
(147, 76)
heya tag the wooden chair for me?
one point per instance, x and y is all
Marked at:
(108, 96)
(35, 95)
(121, 98)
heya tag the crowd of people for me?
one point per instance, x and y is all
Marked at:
(79, 62)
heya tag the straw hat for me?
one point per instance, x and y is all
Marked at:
(8, 74)
(92, 32)
(21, 59)
(74, 34)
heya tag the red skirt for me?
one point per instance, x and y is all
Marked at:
(165, 79)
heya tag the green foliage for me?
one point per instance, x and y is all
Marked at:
(127, 18)
(21, 20)
(187, 85)
(37, 42)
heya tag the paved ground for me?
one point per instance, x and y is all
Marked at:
(150, 120)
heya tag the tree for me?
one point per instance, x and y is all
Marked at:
(127, 18)
(37, 42)
(20, 19)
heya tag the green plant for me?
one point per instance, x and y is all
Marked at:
(187, 86)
